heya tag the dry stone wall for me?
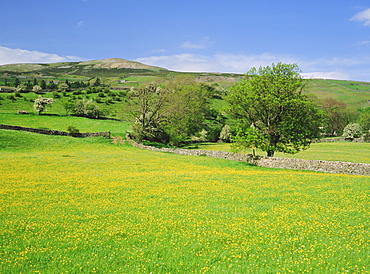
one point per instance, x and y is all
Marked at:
(270, 162)
(56, 132)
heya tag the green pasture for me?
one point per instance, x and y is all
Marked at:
(114, 108)
(354, 85)
(356, 99)
(330, 151)
(55, 122)
(73, 205)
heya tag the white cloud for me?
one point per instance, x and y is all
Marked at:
(327, 75)
(242, 63)
(12, 56)
(363, 43)
(159, 50)
(204, 43)
(80, 23)
(327, 68)
(231, 63)
(181, 62)
(363, 16)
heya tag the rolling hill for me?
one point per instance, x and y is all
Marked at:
(113, 70)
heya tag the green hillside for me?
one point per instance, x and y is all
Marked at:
(123, 74)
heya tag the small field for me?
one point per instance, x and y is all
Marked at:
(56, 122)
(71, 205)
(330, 151)
(355, 94)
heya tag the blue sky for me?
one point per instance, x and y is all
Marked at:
(326, 38)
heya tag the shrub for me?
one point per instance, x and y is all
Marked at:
(367, 137)
(88, 109)
(352, 131)
(56, 94)
(12, 98)
(41, 103)
(225, 134)
(73, 131)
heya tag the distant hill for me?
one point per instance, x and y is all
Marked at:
(105, 67)
(112, 71)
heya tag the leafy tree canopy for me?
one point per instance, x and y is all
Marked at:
(171, 111)
(271, 111)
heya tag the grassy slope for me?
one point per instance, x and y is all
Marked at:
(341, 90)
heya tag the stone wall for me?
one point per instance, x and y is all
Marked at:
(56, 132)
(271, 162)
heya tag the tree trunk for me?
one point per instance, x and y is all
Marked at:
(270, 153)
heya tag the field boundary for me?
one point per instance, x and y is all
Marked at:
(334, 167)
(56, 132)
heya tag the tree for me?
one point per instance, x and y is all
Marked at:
(68, 106)
(17, 82)
(225, 134)
(86, 108)
(188, 109)
(364, 119)
(43, 84)
(337, 116)
(21, 88)
(29, 85)
(63, 87)
(146, 105)
(170, 112)
(41, 103)
(351, 131)
(271, 111)
(36, 89)
(97, 83)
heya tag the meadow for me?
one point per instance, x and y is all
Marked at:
(328, 151)
(71, 205)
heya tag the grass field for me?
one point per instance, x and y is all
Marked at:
(117, 128)
(355, 97)
(330, 151)
(71, 205)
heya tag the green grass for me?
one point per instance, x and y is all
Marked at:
(115, 110)
(330, 151)
(63, 122)
(72, 205)
(340, 90)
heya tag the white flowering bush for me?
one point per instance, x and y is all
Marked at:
(352, 131)
(225, 134)
(86, 108)
(41, 103)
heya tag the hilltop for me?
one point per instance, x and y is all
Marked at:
(105, 67)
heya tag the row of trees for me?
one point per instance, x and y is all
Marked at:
(35, 85)
(268, 110)
(82, 108)
(172, 111)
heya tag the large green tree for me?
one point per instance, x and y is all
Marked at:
(271, 111)
(170, 112)
(187, 110)
(337, 116)
(146, 104)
